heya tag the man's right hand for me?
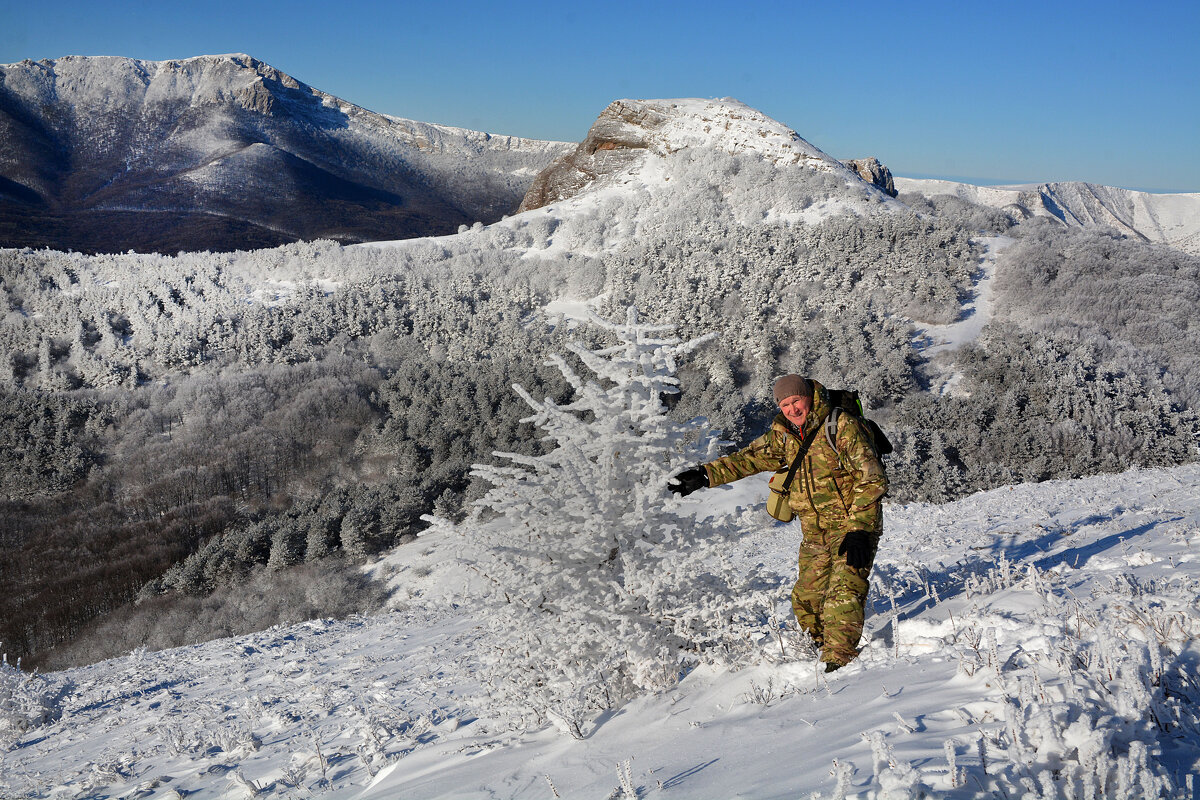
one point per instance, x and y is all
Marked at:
(689, 481)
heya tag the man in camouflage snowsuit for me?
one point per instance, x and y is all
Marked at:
(836, 495)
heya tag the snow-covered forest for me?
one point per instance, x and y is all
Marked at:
(205, 445)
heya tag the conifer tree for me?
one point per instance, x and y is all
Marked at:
(600, 587)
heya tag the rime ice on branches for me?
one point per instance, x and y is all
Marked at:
(598, 588)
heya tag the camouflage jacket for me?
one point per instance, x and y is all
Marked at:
(837, 492)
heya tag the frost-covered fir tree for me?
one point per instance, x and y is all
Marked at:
(600, 587)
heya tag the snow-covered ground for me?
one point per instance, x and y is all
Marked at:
(279, 292)
(975, 312)
(1021, 640)
(934, 340)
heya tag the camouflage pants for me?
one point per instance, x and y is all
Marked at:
(829, 598)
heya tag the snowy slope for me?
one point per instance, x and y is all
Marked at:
(1172, 219)
(976, 313)
(1025, 633)
(71, 90)
(938, 342)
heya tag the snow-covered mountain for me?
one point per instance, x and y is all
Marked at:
(217, 152)
(1172, 219)
(1025, 642)
(646, 165)
(628, 133)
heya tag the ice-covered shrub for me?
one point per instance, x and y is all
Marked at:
(598, 589)
(27, 700)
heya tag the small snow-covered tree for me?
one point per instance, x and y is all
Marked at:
(599, 588)
(27, 700)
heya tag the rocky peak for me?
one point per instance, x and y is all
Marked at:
(871, 171)
(85, 83)
(629, 131)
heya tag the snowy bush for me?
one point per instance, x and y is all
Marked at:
(27, 700)
(598, 590)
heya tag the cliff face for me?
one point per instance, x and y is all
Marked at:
(871, 171)
(613, 143)
(220, 152)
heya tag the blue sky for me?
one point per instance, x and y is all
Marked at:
(1016, 91)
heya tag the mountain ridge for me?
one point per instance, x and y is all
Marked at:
(1172, 219)
(92, 137)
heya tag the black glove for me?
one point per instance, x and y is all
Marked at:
(689, 481)
(856, 547)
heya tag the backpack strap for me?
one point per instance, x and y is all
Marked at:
(839, 399)
(831, 422)
(874, 433)
(804, 446)
(787, 482)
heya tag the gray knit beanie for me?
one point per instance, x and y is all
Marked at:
(789, 385)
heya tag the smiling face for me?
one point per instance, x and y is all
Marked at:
(796, 409)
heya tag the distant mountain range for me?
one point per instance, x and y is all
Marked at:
(107, 154)
(226, 152)
(1172, 219)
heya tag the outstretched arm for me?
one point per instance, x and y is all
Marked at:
(767, 452)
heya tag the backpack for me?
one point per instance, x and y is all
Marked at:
(846, 401)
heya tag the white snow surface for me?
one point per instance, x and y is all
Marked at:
(571, 311)
(976, 312)
(937, 343)
(280, 292)
(1172, 219)
(993, 617)
(733, 126)
(935, 340)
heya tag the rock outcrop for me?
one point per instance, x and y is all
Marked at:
(871, 171)
(628, 131)
(611, 145)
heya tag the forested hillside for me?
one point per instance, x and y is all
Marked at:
(207, 433)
